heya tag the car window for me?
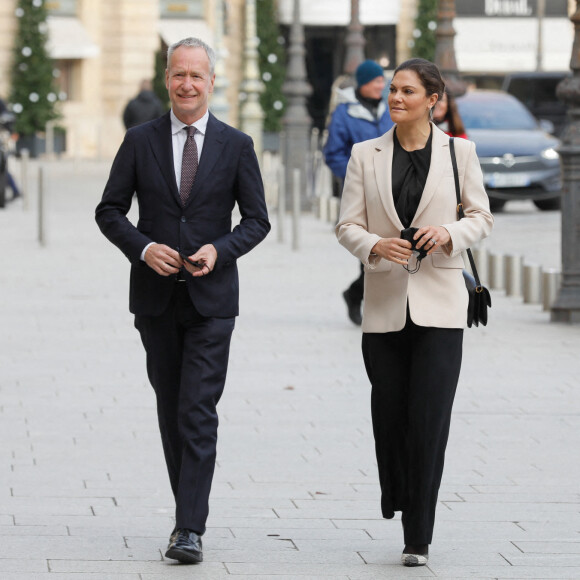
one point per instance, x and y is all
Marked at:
(535, 92)
(495, 114)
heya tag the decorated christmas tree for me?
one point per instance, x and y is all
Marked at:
(425, 26)
(34, 96)
(272, 59)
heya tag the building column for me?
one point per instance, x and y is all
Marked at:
(219, 102)
(251, 114)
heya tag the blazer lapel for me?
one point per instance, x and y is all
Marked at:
(439, 155)
(213, 143)
(162, 146)
(383, 164)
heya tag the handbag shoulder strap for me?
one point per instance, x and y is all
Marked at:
(461, 215)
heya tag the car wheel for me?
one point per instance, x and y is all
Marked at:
(547, 204)
(496, 205)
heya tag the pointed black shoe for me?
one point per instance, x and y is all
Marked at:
(186, 547)
(353, 308)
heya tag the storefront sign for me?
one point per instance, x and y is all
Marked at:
(510, 8)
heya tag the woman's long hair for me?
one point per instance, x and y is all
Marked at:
(452, 116)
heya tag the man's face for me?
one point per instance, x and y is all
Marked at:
(189, 83)
(373, 89)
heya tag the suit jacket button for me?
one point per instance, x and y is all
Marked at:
(183, 219)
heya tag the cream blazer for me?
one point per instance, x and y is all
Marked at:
(436, 294)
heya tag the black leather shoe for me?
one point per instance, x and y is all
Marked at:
(173, 537)
(353, 308)
(186, 547)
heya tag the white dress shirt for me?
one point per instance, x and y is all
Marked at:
(178, 138)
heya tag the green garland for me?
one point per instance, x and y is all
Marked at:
(425, 26)
(272, 62)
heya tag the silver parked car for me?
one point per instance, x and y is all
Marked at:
(518, 158)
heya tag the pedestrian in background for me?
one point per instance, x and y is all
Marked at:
(446, 116)
(413, 317)
(8, 145)
(146, 106)
(188, 170)
(362, 114)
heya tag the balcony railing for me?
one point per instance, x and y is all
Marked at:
(181, 8)
(61, 7)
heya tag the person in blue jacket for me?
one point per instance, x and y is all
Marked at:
(362, 113)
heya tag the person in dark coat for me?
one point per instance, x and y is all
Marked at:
(188, 171)
(146, 106)
(363, 114)
(7, 124)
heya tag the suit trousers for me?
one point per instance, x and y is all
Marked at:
(187, 360)
(413, 374)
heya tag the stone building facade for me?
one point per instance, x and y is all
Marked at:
(103, 49)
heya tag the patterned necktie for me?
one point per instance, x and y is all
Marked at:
(188, 165)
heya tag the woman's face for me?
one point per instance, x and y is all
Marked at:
(440, 109)
(408, 100)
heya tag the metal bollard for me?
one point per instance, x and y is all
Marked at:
(551, 280)
(323, 208)
(24, 159)
(513, 275)
(296, 184)
(497, 271)
(41, 206)
(532, 289)
(482, 262)
(49, 140)
(281, 202)
(334, 207)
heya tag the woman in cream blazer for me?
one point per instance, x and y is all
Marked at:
(412, 322)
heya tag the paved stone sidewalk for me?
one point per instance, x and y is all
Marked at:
(83, 489)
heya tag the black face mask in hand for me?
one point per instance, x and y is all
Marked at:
(419, 253)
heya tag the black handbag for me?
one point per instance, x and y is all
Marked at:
(479, 297)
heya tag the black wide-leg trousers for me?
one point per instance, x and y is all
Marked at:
(413, 374)
(187, 360)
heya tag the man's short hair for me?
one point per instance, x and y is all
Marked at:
(193, 42)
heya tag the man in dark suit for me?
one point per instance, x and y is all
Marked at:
(184, 280)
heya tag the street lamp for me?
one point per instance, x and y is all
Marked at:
(567, 305)
(444, 49)
(296, 120)
(354, 41)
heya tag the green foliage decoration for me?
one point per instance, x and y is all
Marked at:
(159, 79)
(425, 26)
(34, 95)
(272, 62)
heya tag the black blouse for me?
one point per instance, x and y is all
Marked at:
(410, 170)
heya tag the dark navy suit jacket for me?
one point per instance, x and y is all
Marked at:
(228, 173)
